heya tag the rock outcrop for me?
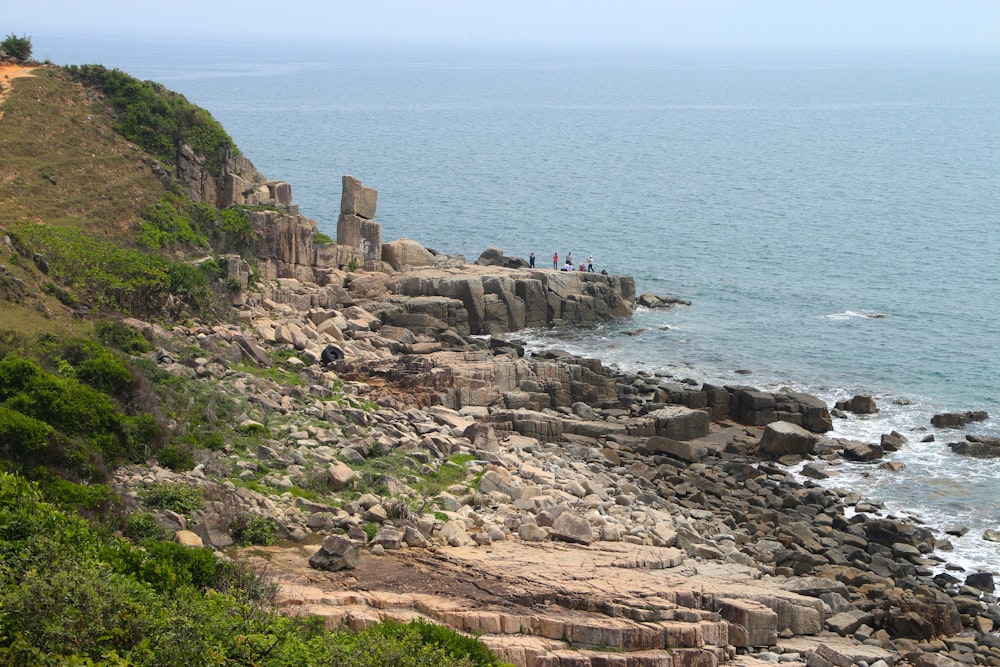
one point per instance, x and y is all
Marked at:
(494, 300)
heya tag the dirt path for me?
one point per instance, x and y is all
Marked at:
(9, 72)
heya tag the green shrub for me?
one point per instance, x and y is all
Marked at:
(257, 529)
(176, 457)
(21, 433)
(139, 526)
(320, 237)
(63, 403)
(166, 225)
(414, 644)
(118, 334)
(158, 120)
(179, 498)
(165, 566)
(17, 47)
(83, 498)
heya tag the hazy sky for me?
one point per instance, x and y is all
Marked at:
(843, 24)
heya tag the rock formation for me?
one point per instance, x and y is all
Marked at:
(356, 226)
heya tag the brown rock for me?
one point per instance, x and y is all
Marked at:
(782, 438)
(356, 199)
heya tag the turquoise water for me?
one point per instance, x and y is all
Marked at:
(834, 219)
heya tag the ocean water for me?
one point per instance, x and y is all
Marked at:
(834, 219)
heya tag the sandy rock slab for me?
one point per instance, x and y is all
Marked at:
(542, 604)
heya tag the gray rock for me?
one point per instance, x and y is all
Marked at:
(570, 527)
(337, 553)
(388, 537)
(691, 452)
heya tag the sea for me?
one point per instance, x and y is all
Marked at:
(833, 218)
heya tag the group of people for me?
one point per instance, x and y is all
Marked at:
(568, 266)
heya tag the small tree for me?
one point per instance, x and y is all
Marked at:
(17, 47)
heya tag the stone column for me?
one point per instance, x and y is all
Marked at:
(356, 226)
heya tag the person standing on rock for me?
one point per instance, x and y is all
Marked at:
(531, 260)
(555, 261)
(569, 257)
(590, 264)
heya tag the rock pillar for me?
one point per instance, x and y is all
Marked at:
(356, 226)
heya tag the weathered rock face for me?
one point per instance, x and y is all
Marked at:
(238, 183)
(492, 303)
(460, 379)
(748, 405)
(356, 199)
(406, 253)
(859, 405)
(977, 446)
(286, 244)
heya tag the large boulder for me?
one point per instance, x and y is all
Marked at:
(677, 422)
(692, 452)
(337, 553)
(782, 438)
(406, 253)
(491, 257)
(570, 527)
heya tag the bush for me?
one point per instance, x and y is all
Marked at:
(166, 225)
(158, 120)
(254, 530)
(17, 47)
(179, 498)
(176, 457)
(63, 403)
(141, 526)
(118, 334)
(21, 433)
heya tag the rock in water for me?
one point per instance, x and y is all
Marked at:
(859, 405)
(957, 419)
(337, 553)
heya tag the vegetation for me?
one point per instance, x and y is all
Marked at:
(158, 120)
(71, 596)
(17, 47)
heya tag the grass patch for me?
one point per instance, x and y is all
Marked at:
(87, 174)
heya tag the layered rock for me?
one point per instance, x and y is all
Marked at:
(491, 301)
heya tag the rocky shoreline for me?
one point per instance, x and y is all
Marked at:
(597, 518)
